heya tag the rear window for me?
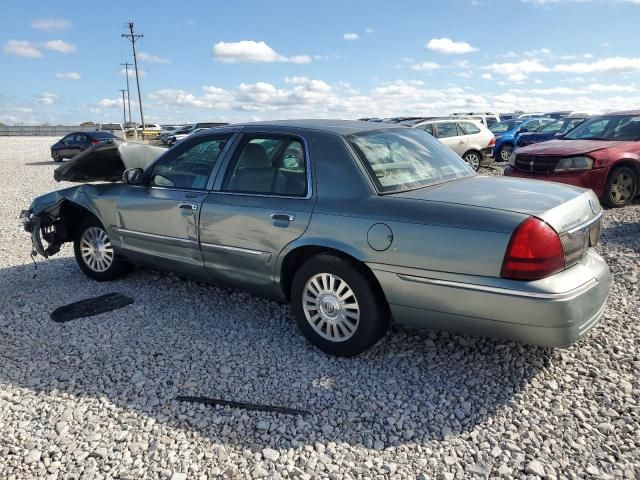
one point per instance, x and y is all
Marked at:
(400, 160)
(110, 126)
(470, 128)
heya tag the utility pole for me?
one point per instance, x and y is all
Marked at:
(124, 111)
(132, 37)
(126, 72)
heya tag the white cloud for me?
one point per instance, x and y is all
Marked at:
(425, 66)
(147, 57)
(68, 76)
(47, 98)
(351, 36)
(517, 71)
(369, 30)
(448, 46)
(486, 76)
(252, 52)
(110, 102)
(51, 24)
(22, 48)
(606, 65)
(59, 46)
(132, 72)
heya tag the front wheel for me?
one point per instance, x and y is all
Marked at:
(621, 188)
(505, 152)
(95, 254)
(473, 159)
(337, 307)
(56, 156)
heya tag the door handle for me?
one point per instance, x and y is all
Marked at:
(188, 206)
(283, 217)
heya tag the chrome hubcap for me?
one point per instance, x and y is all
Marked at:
(505, 153)
(331, 307)
(473, 160)
(96, 249)
(621, 188)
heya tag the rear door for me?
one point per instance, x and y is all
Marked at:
(261, 202)
(452, 136)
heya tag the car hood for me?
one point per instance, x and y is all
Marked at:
(569, 147)
(106, 162)
(562, 206)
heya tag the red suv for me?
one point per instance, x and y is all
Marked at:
(602, 154)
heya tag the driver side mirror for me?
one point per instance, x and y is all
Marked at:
(522, 130)
(133, 176)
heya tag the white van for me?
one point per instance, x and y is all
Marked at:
(115, 128)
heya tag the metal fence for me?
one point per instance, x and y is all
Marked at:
(36, 131)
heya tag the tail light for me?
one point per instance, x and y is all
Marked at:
(534, 251)
(492, 142)
(95, 142)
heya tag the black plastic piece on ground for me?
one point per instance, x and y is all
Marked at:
(90, 307)
(244, 405)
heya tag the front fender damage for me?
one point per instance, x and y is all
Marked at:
(45, 226)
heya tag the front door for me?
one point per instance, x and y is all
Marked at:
(262, 203)
(158, 222)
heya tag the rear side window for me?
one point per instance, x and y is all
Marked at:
(427, 128)
(268, 165)
(447, 129)
(470, 128)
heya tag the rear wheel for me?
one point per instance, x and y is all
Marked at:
(621, 188)
(473, 158)
(95, 254)
(505, 152)
(337, 307)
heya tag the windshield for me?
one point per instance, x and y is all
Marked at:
(505, 126)
(551, 127)
(400, 160)
(612, 127)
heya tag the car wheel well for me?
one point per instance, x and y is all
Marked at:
(296, 258)
(630, 163)
(71, 215)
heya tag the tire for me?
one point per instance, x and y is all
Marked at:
(313, 300)
(621, 187)
(473, 158)
(56, 156)
(100, 266)
(505, 150)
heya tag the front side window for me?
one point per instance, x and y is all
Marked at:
(551, 127)
(428, 127)
(447, 129)
(189, 169)
(405, 159)
(268, 165)
(613, 127)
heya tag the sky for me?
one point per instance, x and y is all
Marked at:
(248, 60)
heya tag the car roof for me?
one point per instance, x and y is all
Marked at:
(625, 112)
(338, 127)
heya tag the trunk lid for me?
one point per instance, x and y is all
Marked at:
(564, 207)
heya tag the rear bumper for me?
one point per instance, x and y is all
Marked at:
(552, 312)
(594, 179)
(487, 156)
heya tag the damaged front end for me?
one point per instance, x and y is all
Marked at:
(53, 218)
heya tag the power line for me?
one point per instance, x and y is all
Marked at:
(133, 37)
(126, 72)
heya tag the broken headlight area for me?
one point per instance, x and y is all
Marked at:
(48, 233)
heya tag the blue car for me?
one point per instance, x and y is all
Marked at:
(506, 132)
(555, 129)
(76, 142)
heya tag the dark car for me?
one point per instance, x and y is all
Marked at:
(602, 154)
(549, 131)
(72, 144)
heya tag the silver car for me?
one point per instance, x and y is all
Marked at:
(468, 138)
(355, 224)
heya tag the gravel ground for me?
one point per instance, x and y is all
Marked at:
(96, 397)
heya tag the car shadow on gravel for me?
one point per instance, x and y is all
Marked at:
(187, 338)
(47, 162)
(625, 234)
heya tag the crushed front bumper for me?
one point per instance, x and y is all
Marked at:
(31, 224)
